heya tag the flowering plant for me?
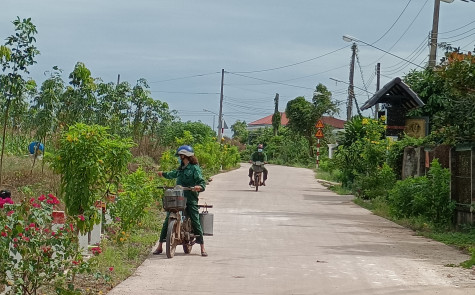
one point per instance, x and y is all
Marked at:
(33, 252)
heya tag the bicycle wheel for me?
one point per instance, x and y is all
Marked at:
(171, 238)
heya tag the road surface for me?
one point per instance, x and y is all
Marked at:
(296, 237)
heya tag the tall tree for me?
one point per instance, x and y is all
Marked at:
(16, 56)
(79, 102)
(240, 131)
(303, 114)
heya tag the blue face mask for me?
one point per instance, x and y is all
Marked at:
(259, 150)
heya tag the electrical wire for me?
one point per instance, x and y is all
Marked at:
(410, 56)
(294, 64)
(361, 73)
(273, 82)
(186, 77)
(403, 34)
(454, 36)
(180, 92)
(457, 28)
(452, 41)
(397, 19)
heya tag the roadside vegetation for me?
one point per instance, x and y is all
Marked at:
(101, 146)
(103, 143)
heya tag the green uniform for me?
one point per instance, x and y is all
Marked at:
(258, 156)
(187, 176)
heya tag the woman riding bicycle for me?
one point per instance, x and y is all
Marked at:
(188, 174)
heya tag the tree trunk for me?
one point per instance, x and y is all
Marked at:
(3, 138)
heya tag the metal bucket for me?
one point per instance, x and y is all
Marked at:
(206, 220)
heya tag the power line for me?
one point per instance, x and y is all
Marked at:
(185, 77)
(403, 34)
(294, 64)
(394, 22)
(180, 92)
(273, 82)
(458, 28)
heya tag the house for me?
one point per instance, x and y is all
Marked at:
(267, 122)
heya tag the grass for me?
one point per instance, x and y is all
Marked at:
(124, 257)
(463, 238)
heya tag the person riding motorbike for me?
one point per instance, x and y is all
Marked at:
(188, 174)
(258, 155)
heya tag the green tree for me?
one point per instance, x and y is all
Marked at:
(46, 105)
(79, 101)
(88, 159)
(16, 56)
(240, 132)
(449, 96)
(303, 115)
(113, 106)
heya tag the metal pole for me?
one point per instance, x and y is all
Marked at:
(220, 120)
(433, 34)
(318, 152)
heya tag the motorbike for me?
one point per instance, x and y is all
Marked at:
(179, 231)
(258, 168)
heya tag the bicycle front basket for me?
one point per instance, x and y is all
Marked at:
(174, 200)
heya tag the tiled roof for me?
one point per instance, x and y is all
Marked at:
(267, 121)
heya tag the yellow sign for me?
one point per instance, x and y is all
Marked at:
(319, 124)
(319, 133)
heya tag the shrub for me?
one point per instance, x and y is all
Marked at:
(33, 254)
(377, 184)
(427, 196)
(139, 192)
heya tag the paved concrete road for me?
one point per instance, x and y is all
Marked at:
(296, 237)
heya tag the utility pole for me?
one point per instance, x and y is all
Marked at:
(276, 113)
(351, 91)
(220, 119)
(433, 34)
(118, 79)
(378, 80)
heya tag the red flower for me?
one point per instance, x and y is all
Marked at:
(4, 234)
(32, 225)
(111, 268)
(26, 239)
(15, 240)
(71, 227)
(42, 198)
(96, 250)
(75, 262)
(46, 230)
(10, 213)
(81, 217)
(36, 205)
(52, 199)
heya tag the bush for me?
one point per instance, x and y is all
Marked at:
(377, 184)
(33, 254)
(139, 192)
(427, 197)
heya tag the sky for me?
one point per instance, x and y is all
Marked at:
(264, 46)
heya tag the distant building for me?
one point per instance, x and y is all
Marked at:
(267, 122)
